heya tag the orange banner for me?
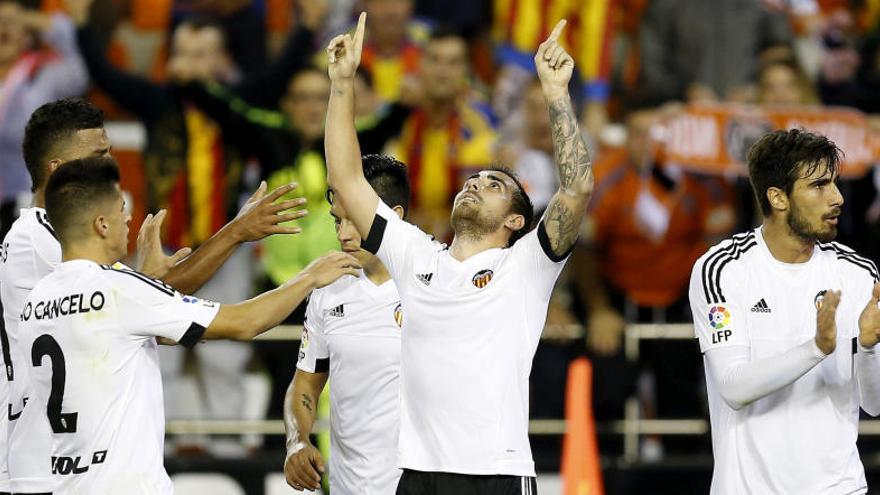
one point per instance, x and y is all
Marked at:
(715, 139)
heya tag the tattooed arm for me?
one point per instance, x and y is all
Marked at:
(304, 464)
(566, 210)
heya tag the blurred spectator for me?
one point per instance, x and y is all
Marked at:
(190, 170)
(197, 175)
(783, 82)
(532, 153)
(242, 22)
(650, 224)
(695, 51)
(29, 77)
(289, 146)
(521, 25)
(849, 77)
(447, 136)
(393, 46)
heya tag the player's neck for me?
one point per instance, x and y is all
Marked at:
(375, 271)
(39, 200)
(86, 250)
(783, 244)
(465, 245)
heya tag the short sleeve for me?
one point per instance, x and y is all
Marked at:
(533, 253)
(151, 308)
(719, 319)
(395, 241)
(314, 356)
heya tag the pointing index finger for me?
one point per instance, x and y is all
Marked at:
(359, 31)
(557, 30)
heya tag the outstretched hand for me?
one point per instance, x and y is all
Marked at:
(261, 216)
(869, 321)
(151, 259)
(344, 52)
(554, 64)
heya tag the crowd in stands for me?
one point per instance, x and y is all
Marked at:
(233, 92)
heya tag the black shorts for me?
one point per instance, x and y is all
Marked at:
(427, 483)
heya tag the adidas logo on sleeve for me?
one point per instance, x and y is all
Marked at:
(761, 307)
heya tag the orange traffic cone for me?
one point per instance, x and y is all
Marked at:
(581, 470)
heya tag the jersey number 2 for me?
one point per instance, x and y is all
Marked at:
(45, 345)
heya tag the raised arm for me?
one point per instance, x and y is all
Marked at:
(567, 208)
(345, 172)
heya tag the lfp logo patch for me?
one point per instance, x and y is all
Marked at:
(719, 317)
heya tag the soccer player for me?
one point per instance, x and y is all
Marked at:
(475, 310)
(58, 132)
(90, 332)
(352, 336)
(788, 323)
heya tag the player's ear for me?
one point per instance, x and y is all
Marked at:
(54, 164)
(101, 226)
(515, 222)
(399, 210)
(777, 198)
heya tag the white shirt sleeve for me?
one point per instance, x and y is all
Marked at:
(719, 319)
(868, 376)
(741, 381)
(395, 241)
(151, 308)
(535, 257)
(721, 326)
(314, 357)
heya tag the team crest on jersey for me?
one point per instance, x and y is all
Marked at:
(719, 317)
(482, 278)
(819, 299)
(398, 315)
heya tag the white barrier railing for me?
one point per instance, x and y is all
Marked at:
(632, 427)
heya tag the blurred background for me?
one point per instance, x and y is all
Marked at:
(205, 98)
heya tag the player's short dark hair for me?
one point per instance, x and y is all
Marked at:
(781, 157)
(198, 22)
(388, 177)
(521, 204)
(53, 122)
(75, 187)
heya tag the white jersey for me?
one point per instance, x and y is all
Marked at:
(352, 330)
(90, 333)
(802, 438)
(472, 328)
(30, 252)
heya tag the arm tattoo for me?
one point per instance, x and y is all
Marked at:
(569, 148)
(307, 402)
(563, 216)
(562, 226)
